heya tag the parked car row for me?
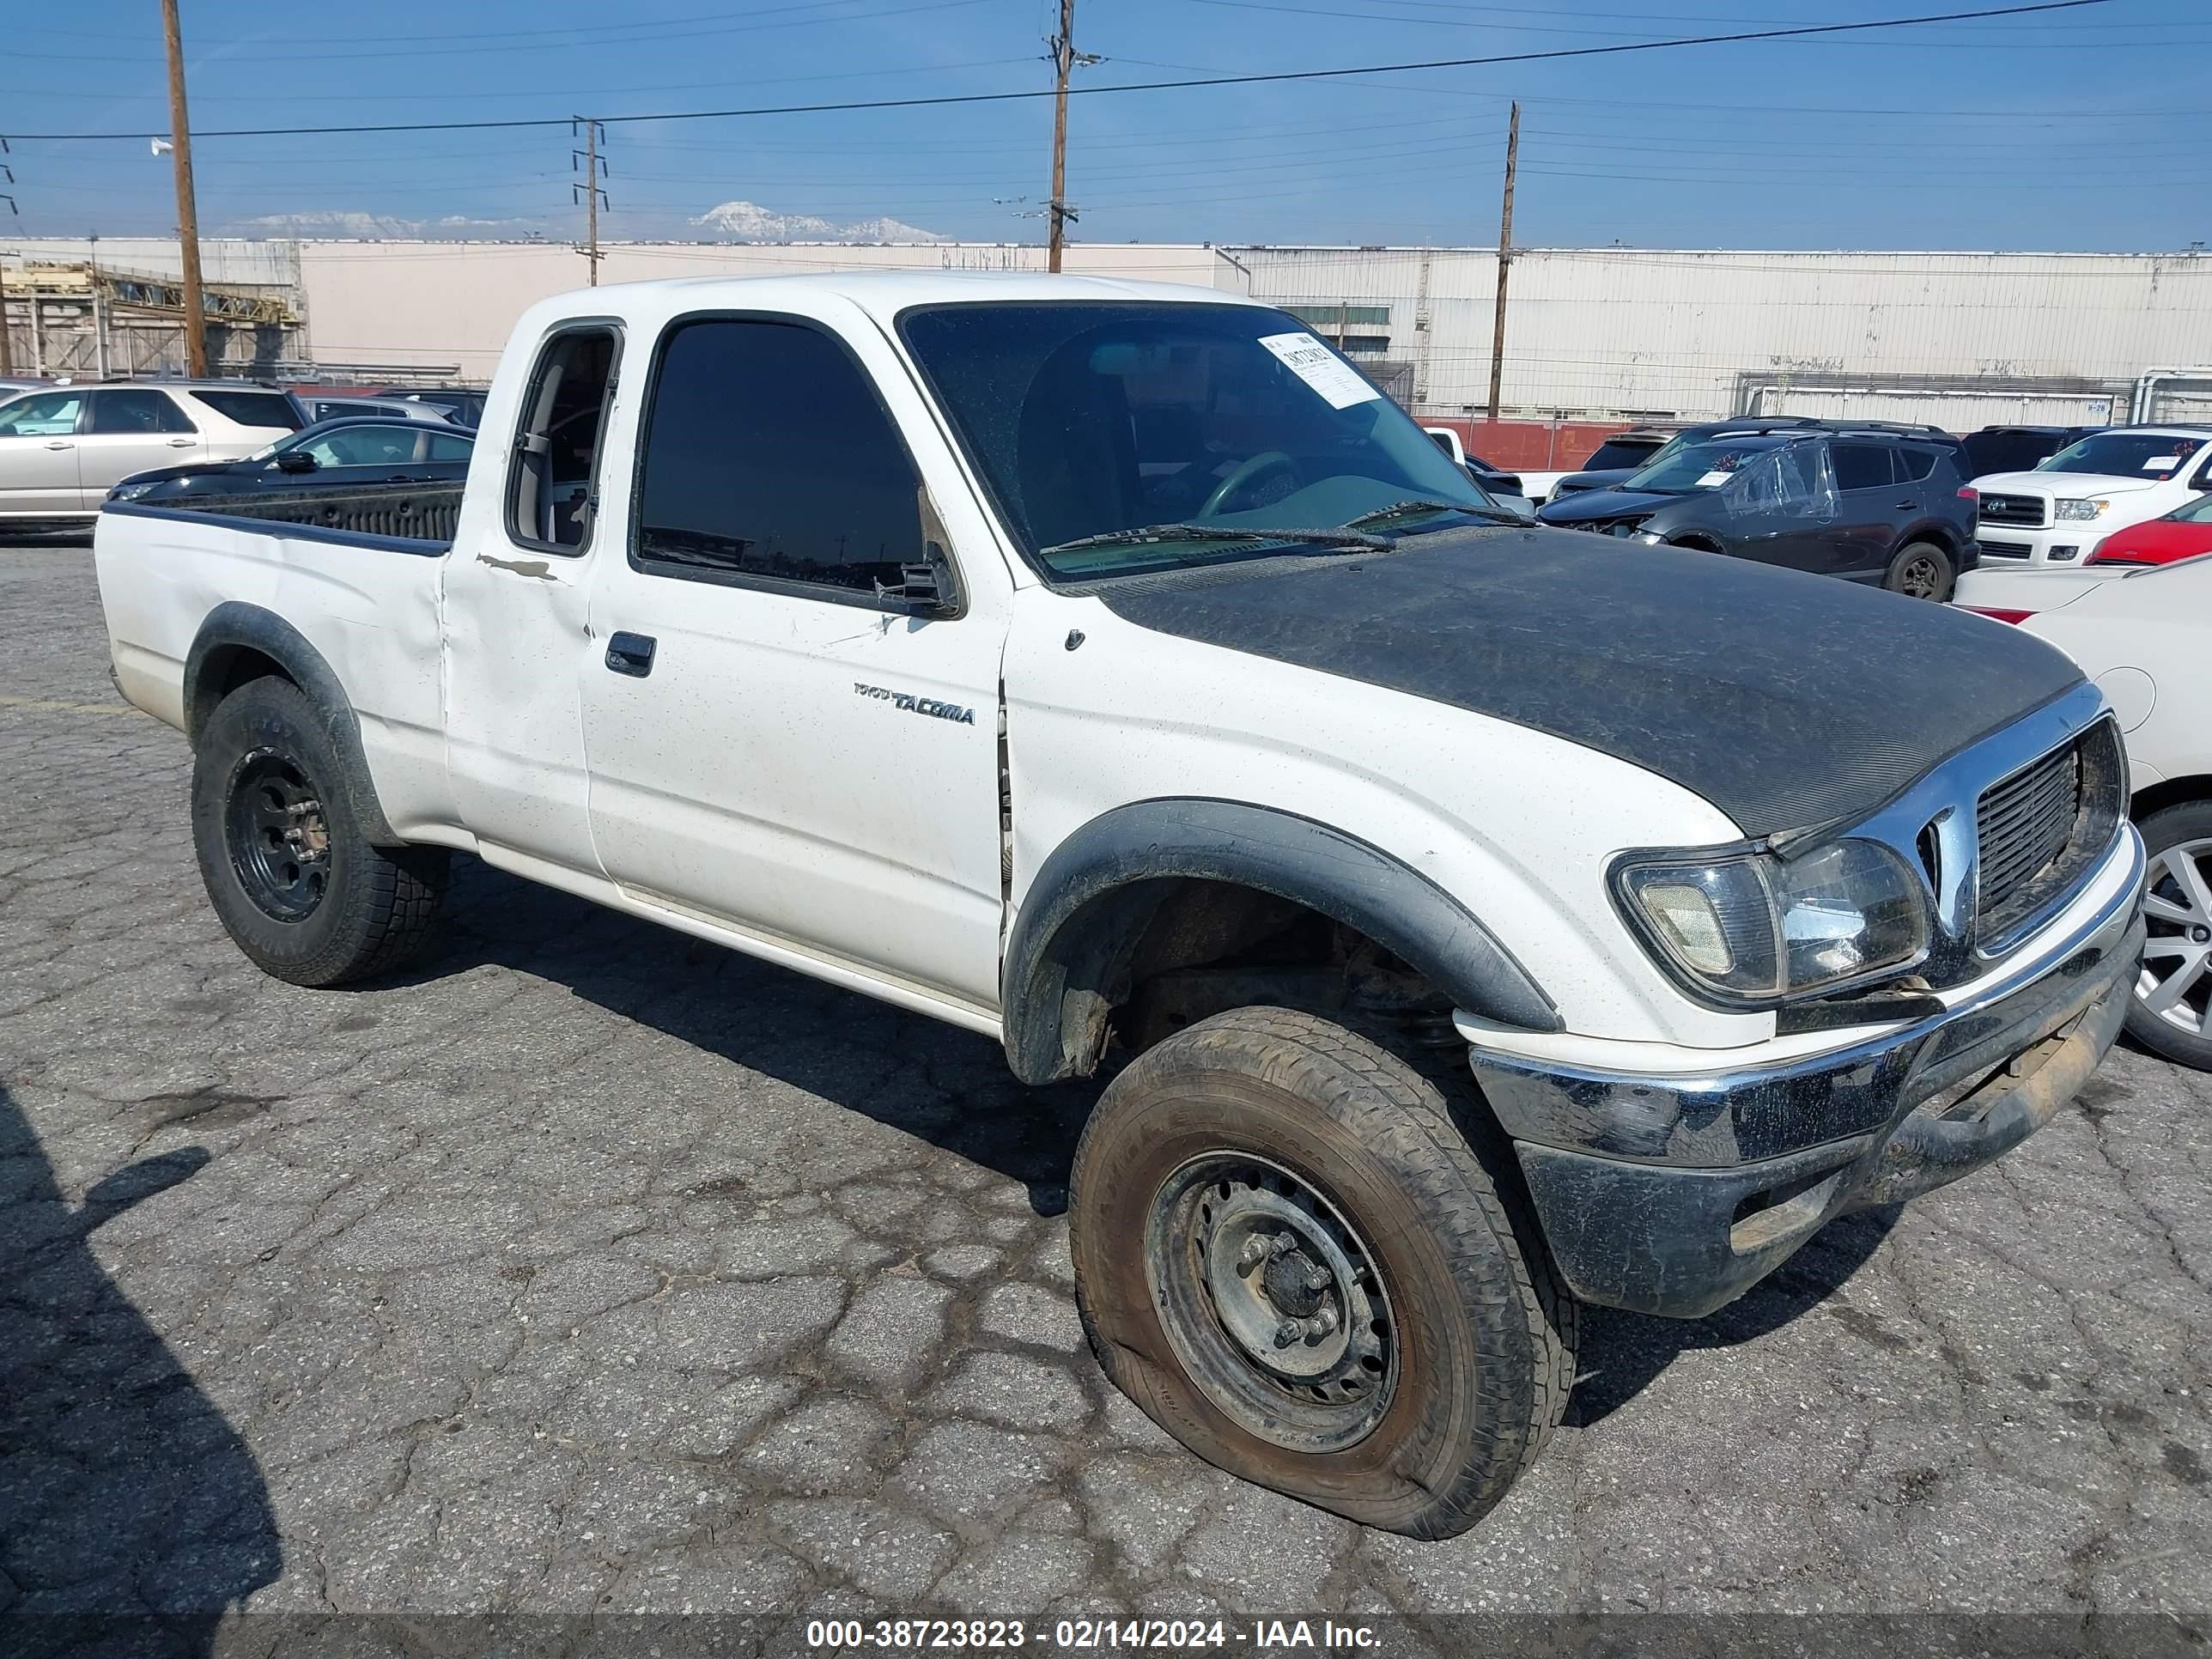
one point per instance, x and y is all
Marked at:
(1870, 503)
(343, 453)
(1908, 507)
(64, 449)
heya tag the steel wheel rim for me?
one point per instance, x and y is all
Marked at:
(1239, 1249)
(2174, 986)
(1920, 579)
(279, 841)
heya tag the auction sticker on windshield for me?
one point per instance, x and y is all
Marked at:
(1337, 381)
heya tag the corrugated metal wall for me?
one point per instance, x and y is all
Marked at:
(1642, 332)
(1599, 333)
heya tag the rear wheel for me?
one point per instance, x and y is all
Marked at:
(288, 868)
(1922, 570)
(2171, 1013)
(1292, 1257)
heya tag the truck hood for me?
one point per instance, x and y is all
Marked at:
(1793, 703)
(1585, 506)
(2063, 483)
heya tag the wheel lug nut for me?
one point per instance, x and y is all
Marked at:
(1323, 1323)
(1316, 1278)
(1253, 1253)
(1284, 1244)
(1289, 1332)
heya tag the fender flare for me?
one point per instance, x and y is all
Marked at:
(1079, 927)
(234, 627)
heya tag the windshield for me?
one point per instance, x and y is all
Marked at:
(2148, 455)
(1698, 466)
(1088, 419)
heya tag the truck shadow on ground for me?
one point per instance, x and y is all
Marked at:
(131, 1514)
(1622, 1354)
(951, 1088)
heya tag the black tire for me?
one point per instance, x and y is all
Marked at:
(1470, 1336)
(2178, 922)
(1922, 570)
(289, 870)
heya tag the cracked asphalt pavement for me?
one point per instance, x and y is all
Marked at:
(588, 1268)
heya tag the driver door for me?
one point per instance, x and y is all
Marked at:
(774, 743)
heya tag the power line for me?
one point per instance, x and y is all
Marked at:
(1274, 77)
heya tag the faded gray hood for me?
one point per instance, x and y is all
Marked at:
(1791, 702)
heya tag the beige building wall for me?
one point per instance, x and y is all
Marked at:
(451, 304)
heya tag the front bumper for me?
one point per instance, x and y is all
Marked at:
(1673, 1195)
(2054, 547)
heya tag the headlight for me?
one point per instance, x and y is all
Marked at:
(130, 492)
(2078, 510)
(1649, 539)
(1756, 929)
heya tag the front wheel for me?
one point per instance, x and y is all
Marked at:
(296, 881)
(1922, 570)
(1290, 1255)
(2171, 1013)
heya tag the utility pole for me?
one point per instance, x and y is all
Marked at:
(595, 168)
(7, 341)
(1064, 60)
(1504, 260)
(188, 215)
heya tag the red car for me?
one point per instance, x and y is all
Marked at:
(2181, 534)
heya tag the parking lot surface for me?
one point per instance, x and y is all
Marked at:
(590, 1268)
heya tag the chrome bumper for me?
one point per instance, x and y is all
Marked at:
(1674, 1196)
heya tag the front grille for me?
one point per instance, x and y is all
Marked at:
(2003, 550)
(2025, 511)
(2039, 829)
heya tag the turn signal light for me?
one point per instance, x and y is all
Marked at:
(1968, 493)
(2002, 616)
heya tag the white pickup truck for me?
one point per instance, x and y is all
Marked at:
(1473, 919)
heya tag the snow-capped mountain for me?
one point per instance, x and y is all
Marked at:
(749, 221)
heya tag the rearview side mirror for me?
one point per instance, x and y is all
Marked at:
(931, 589)
(296, 461)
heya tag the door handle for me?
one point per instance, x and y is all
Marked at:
(1904, 507)
(631, 655)
(180, 443)
(61, 445)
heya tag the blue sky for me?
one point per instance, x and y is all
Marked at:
(2079, 130)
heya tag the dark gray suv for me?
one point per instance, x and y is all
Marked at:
(1866, 505)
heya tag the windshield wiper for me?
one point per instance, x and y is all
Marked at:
(1417, 504)
(1206, 532)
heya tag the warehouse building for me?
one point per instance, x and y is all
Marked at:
(1591, 334)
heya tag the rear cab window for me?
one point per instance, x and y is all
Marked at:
(272, 410)
(553, 484)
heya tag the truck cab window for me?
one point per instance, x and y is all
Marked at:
(739, 475)
(556, 448)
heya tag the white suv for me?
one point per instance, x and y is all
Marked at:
(64, 449)
(2055, 515)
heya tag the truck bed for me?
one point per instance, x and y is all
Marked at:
(354, 573)
(424, 513)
